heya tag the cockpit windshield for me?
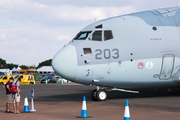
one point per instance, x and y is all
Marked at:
(100, 35)
(96, 36)
(82, 35)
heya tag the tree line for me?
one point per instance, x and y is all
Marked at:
(4, 65)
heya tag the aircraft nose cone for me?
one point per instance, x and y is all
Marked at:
(64, 62)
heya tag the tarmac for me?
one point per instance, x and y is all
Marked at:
(64, 102)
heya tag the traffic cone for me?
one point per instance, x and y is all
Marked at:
(126, 112)
(46, 82)
(84, 109)
(62, 82)
(26, 106)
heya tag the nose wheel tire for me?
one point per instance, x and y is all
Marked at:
(93, 95)
(101, 95)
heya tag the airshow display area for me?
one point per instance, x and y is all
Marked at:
(43, 70)
(141, 81)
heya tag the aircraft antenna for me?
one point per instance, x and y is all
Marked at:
(95, 20)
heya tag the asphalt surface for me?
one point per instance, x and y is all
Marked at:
(64, 102)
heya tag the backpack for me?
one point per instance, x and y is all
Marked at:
(13, 88)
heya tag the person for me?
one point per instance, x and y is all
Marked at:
(7, 87)
(16, 97)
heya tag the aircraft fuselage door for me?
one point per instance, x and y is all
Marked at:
(167, 66)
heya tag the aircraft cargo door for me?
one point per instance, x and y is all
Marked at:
(167, 66)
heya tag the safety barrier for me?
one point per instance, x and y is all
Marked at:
(140, 111)
(120, 104)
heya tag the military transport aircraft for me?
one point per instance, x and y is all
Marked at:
(125, 53)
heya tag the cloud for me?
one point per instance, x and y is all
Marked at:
(2, 36)
(34, 30)
(34, 34)
(137, 4)
(25, 11)
(25, 44)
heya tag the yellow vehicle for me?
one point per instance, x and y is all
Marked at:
(4, 79)
(25, 79)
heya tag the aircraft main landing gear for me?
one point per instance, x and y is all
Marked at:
(99, 95)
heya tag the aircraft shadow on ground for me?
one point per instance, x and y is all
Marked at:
(113, 95)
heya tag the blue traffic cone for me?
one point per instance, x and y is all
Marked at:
(84, 109)
(126, 112)
(26, 106)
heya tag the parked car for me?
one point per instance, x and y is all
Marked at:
(4, 79)
(25, 79)
(62, 79)
(57, 76)
(44, 75)
(50, 79)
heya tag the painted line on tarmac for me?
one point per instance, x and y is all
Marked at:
(64, 84)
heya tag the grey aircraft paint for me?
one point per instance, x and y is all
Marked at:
(133, 51)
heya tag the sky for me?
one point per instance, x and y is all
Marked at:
(32, 31)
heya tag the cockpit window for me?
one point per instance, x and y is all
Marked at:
(82, 35)
(108, 35)
(96, 36)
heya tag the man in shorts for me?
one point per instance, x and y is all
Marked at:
(7, 87)
(16, 97)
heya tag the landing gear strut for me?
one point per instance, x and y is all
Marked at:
(99, 95)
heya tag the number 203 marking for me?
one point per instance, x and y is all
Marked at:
(107, 53)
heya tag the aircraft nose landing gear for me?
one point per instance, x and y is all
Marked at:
(99, 95)
(93, 95)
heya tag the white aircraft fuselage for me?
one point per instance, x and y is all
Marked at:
(133, 51)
